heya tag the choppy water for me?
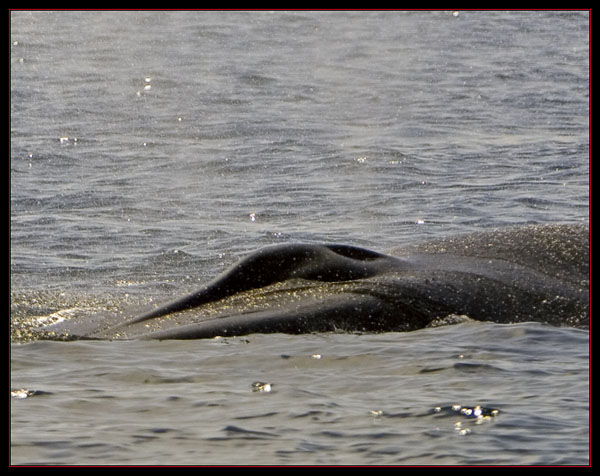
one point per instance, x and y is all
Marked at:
(150, 150)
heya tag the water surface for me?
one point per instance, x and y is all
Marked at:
(150, 150)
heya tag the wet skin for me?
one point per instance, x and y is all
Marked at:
(529, 273)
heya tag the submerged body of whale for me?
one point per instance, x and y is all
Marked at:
(529, 273)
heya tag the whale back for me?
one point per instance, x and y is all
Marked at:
(557, 250)
(530, 273)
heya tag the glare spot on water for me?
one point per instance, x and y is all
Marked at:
(262, 387)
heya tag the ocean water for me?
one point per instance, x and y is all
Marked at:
(150, 150)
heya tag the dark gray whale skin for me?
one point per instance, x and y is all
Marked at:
(527, 273)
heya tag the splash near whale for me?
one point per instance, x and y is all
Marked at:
(529, 273)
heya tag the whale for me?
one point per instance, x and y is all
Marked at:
(525, 273)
